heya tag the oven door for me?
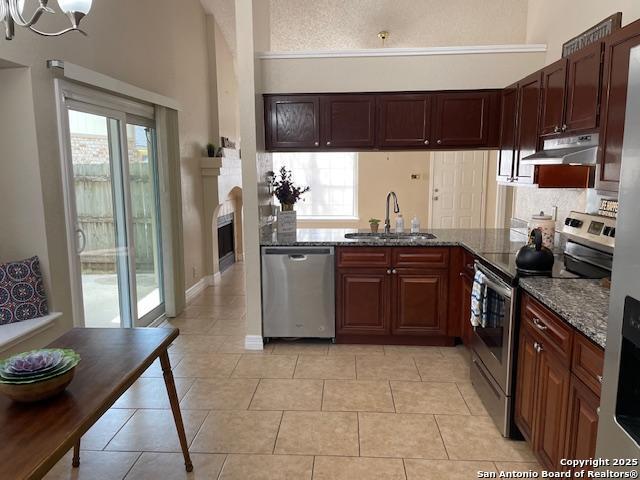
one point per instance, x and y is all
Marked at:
(493, 342)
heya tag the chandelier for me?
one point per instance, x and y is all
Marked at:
(12, 14)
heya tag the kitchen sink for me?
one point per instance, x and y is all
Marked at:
(389, 236)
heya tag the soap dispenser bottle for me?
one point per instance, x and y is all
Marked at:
(399, 223)
(415, 224)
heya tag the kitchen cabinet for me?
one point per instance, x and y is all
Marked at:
(348, 121)
(420, 302)
(554, 81)
(555, 410)
(584, 79)
(582, 421)
(614, 103)
(292, 122)
(527, 122)
(404, 120)
(465, 311)
(462, 119)
(508, 130)
(392, 295)
(364, 121)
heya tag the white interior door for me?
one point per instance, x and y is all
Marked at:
(457, 189)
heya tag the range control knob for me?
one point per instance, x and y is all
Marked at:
(576, 223)
(567, 221)
(607, 231)
(612, 233)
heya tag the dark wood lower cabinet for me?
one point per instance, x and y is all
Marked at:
(363, 302)
(551, 409)
(420, 300)
(556, 412)
(582, 423)
(466, 330)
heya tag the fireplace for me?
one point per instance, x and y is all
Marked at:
(226, 241)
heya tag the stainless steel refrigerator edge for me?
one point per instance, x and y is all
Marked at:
(298, 292)
(613, 440)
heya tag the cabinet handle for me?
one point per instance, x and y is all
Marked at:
(598, 411)
(564, 127)
(389, 272)
(328, 143)
(470, 266)
(556, 129)
(439, 142)
(539, 325)
(317, 144)
(394, 271)
(600, 378)
(426, 142)
(537, 347)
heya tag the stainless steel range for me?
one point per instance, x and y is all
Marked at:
(588, 253)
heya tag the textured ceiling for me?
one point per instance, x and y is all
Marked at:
(354, 24)
(224, 11)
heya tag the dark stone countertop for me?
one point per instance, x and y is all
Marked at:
(581, 303)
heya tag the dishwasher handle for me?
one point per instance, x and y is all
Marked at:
(297, 252)
(298, 257)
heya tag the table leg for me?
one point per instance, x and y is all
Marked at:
(76, 455)
(175, 407)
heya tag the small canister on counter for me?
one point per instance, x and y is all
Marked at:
(546, 225)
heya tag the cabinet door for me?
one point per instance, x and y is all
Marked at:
(527, 122)
(363, 302)
(554, 80)
(552, 400)
(293, 122)
(614, 103)
(509, 113)
(348, 121)
(404, 120)
(582, 423)
(583, 88)
(419, 301)
(461, 119)
(526, 380)
(465, 311)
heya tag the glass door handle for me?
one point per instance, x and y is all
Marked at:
(83, 240)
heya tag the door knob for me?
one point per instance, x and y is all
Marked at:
(436, 190)
(435, 198)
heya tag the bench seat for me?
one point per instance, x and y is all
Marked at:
(14, 333)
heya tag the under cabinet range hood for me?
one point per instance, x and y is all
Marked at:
(577, 150)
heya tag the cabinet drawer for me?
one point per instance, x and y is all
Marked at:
(553, 331)
(588, 362)
(421, 257)
(364, 257)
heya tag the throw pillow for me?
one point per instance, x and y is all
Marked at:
(22, 294)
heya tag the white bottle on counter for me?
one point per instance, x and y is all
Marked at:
(415, 224)
(399, 223)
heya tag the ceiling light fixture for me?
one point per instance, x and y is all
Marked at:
(12, 14)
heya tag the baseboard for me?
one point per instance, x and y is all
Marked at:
(253, 342)
(195, 290)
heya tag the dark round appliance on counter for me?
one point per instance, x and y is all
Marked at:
(535, 258)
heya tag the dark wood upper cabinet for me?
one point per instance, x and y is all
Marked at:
(420, 302)
(348, 121)
(508, 130)
(583, 89)
(461, 119)
(292, 122)
(527, 122)
(404, 120)
(554, 81)
(614, 103)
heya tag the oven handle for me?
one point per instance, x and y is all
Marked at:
(499, 286)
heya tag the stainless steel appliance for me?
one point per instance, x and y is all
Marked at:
(588, 253)
(576, 150)
(298, 292)
(619, 425)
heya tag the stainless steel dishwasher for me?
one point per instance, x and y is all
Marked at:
(298, 292)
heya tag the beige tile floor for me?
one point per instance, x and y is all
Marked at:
(296, 411)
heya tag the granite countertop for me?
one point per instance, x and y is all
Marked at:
(581, 303)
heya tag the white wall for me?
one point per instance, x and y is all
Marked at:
(353, 24)
(372, 74)
(554, 22)
(158, 45)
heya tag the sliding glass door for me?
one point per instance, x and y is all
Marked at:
(113, 201)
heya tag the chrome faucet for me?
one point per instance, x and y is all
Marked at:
(396, 209)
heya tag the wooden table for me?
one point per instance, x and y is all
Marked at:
(34, 437)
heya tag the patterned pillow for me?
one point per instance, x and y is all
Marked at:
(22, 295)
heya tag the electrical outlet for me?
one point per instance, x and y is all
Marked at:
(415, 176)
(194, 272)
